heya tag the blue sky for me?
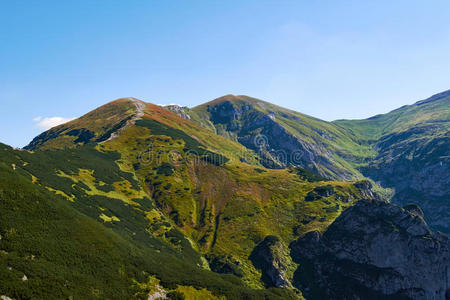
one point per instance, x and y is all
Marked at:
(329, 59)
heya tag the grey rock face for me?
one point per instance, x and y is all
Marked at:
(374, 250)
(418, 169)
(272, 258)
(276, 146)
(179, 110)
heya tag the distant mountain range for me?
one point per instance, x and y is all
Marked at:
(236, 198)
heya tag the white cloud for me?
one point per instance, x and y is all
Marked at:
(49, 122)
(170, 104)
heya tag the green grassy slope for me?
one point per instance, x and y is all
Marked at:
(95, 126)
(432, 111)
(211, 203)
(171, 190)
(64, 249)
(406, 150)
(412, 147)
(306, 141)
(208, 199)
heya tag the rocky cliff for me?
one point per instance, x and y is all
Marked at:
(374, 250)
(412, 155)
(272, 258)
(416, 163)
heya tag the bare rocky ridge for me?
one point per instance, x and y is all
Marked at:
(179, 110)
(140, 106)
(374, 250)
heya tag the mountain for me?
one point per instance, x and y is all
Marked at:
(135, 200)
(97, 126)
(170, 191)
(406, 150)
(282, 137)
(53, 248)
(412, 147)
(374, 250)
(432, 111)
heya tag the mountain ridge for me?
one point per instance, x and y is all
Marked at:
(205, 186)
(371, 147)
(412, 154)
(344, 150)
(179, 181)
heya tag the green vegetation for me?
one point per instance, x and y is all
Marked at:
(191, 145)
(272, 257)
(95, 126)
(165, 168)
(168, 202)
(244, 119)
(308, 175)
(78, 256)
(172, 209)
(392, 149)
(432, 111)
(412, 154)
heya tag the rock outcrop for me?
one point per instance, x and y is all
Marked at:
(179, 110)
(374, 250)
(272, 258)
(416, 163)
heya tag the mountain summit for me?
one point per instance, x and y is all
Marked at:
(280, 136)
(235, 198)
(406, 149)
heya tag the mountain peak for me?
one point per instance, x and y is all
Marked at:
(97, 125)
(224, 98)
